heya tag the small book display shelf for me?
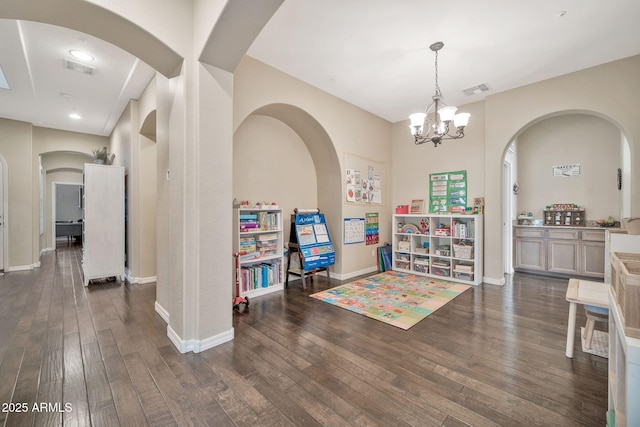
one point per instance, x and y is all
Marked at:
(258, 239)
(447, 247)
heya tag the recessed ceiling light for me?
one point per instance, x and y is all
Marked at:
(3, 80)
(75, 116)
(83, 56)
(65, 95)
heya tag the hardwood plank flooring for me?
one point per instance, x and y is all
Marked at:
(100, 356)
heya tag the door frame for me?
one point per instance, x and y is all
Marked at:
(54, 192)
(5, 214)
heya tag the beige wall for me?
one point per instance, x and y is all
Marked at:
(21, 145)
(21, 231)
(610, 91)
(272, 164)
(412, 163)
(348, 129)
(587, 140)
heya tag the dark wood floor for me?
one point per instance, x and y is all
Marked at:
(100, 356)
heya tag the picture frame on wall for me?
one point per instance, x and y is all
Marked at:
(417, 205)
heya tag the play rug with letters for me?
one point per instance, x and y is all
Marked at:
(399, 299)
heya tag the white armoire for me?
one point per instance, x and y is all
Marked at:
(103, 222)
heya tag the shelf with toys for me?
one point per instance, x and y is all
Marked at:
(442, 246)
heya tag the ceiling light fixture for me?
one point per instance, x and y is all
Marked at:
(75, 116)
(83, 56)
(433, 124)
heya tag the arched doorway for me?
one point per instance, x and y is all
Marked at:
(584, 138)
(317, 166)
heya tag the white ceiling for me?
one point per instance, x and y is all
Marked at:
(43, 92)
(372, 53)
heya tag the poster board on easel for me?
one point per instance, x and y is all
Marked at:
(311, 235)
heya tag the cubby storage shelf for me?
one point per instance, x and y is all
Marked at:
(446, 247)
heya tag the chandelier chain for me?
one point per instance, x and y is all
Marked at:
(437, 85)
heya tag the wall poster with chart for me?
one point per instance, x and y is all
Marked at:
(353, 230)
(448, 192)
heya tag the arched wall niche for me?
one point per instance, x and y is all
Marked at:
(325, 160)
(623, 153)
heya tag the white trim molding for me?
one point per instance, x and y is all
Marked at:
(162, 312)
(491, 281)
(22, 267)
(353, 274)
(197, 346)
(141, 280)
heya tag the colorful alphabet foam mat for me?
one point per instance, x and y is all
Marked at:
(399, 299)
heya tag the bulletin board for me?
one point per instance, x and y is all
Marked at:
(363, 180)
(448, 192)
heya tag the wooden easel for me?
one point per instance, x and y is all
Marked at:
(295, 247)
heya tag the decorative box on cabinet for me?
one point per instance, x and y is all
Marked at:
(443, 246)
(103, 223)
(258, 239)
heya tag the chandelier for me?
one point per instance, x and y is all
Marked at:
(434, 124)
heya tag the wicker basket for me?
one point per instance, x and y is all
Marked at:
(463, 252)
(625, 281)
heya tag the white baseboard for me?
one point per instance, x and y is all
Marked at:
(196, 346)
(141, 280)
(162, 312)
(353, 274)
(22, 267)
(492, 281)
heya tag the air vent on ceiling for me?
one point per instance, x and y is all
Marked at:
(474, 90)
(76, 66)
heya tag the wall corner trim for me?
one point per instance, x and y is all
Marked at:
(492, 281)
(197, 346)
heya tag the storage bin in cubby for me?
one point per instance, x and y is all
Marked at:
(625, 281)
(463, 251)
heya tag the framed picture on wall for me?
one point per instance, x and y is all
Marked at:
(416, 206)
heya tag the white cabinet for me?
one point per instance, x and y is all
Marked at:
(448, 247)
(103, 222)
(624, 369)
(259, 244)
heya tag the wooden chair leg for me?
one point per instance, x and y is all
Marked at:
(588, 331)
